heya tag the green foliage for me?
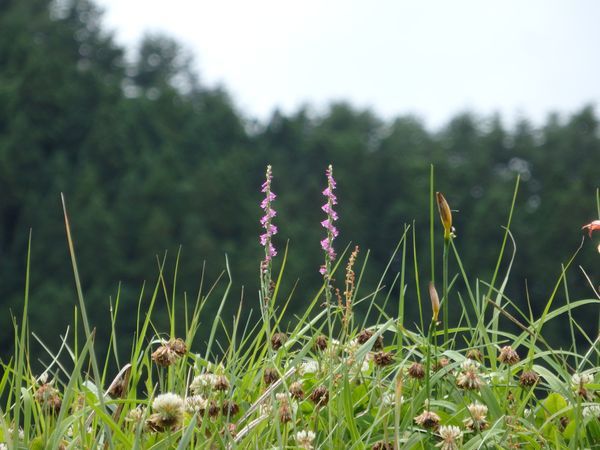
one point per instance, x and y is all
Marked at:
(151, 159)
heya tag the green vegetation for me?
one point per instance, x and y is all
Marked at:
(330, 380)
(150, 158)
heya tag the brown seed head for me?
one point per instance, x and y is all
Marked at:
(270, 376)
(475, 354)
(365, 335)
(528, 378)
(178, 346)
(277, 340)
(220, 383)
(382, 359)
(416, 370)
(321, 342)
(296, 390)
(508, 356)
(164, 356)
(48, 397)
(320, 396)
(382, 445)
(230, 408)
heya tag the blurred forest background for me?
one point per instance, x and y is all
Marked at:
(150, 159)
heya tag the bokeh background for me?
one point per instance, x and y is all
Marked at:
(157, 120)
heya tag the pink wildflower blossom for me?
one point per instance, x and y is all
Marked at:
(328, 223)
(266, 220)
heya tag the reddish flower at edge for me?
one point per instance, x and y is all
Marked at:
(592, 226)
(266, 220)
(328, 223)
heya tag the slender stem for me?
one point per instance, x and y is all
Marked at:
(445, 287)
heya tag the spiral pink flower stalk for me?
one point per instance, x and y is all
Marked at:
(328, 223)
(266, 221)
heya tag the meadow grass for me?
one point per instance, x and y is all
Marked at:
(333, 379)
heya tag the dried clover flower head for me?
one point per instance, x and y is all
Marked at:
(320, 396)
(508, 356)
(416, 370)
(196, 404)
(270, 376)
(220, 383)
(321, 342)
(365, 335)
(382, 359)
(477, 421)
(475, 354)
(230, 408)
(304, 439)
(469, 377)
(440, 364)
(451, 437)
(428, 419)
(169, 352)
(528, 378)
(277, 340)
(48, 397)
(168, 412)
(296, 390)
(382, 445)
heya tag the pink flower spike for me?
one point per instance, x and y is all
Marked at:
(265, 221)
(327, 223)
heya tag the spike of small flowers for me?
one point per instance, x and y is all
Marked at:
(328, 223)
(266, 220)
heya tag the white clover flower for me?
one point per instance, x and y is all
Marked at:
(388, 399)
(527, 412)
(305, 438)
(196, 404)
(3, 446)
(451, 437)
(308, 367)
(168, 406)
(580, 379)
(136, 414)
(591, 411)
(202, 382)
(265, 409)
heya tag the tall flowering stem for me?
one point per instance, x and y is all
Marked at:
(266, 237)
(446, 218)
(329, 225)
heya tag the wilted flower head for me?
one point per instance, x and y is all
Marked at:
(528, 378)
(169, 352)
(304, 439)
(48, 397)
(328, 223)
(592, 226)
(428, 419)
(416, 370)
(320, 396)
(266, 220)
(508, 356)
(451, 437)
(477, 421)
(136, 414)
(469, 376)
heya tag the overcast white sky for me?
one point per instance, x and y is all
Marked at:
(430, 58)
